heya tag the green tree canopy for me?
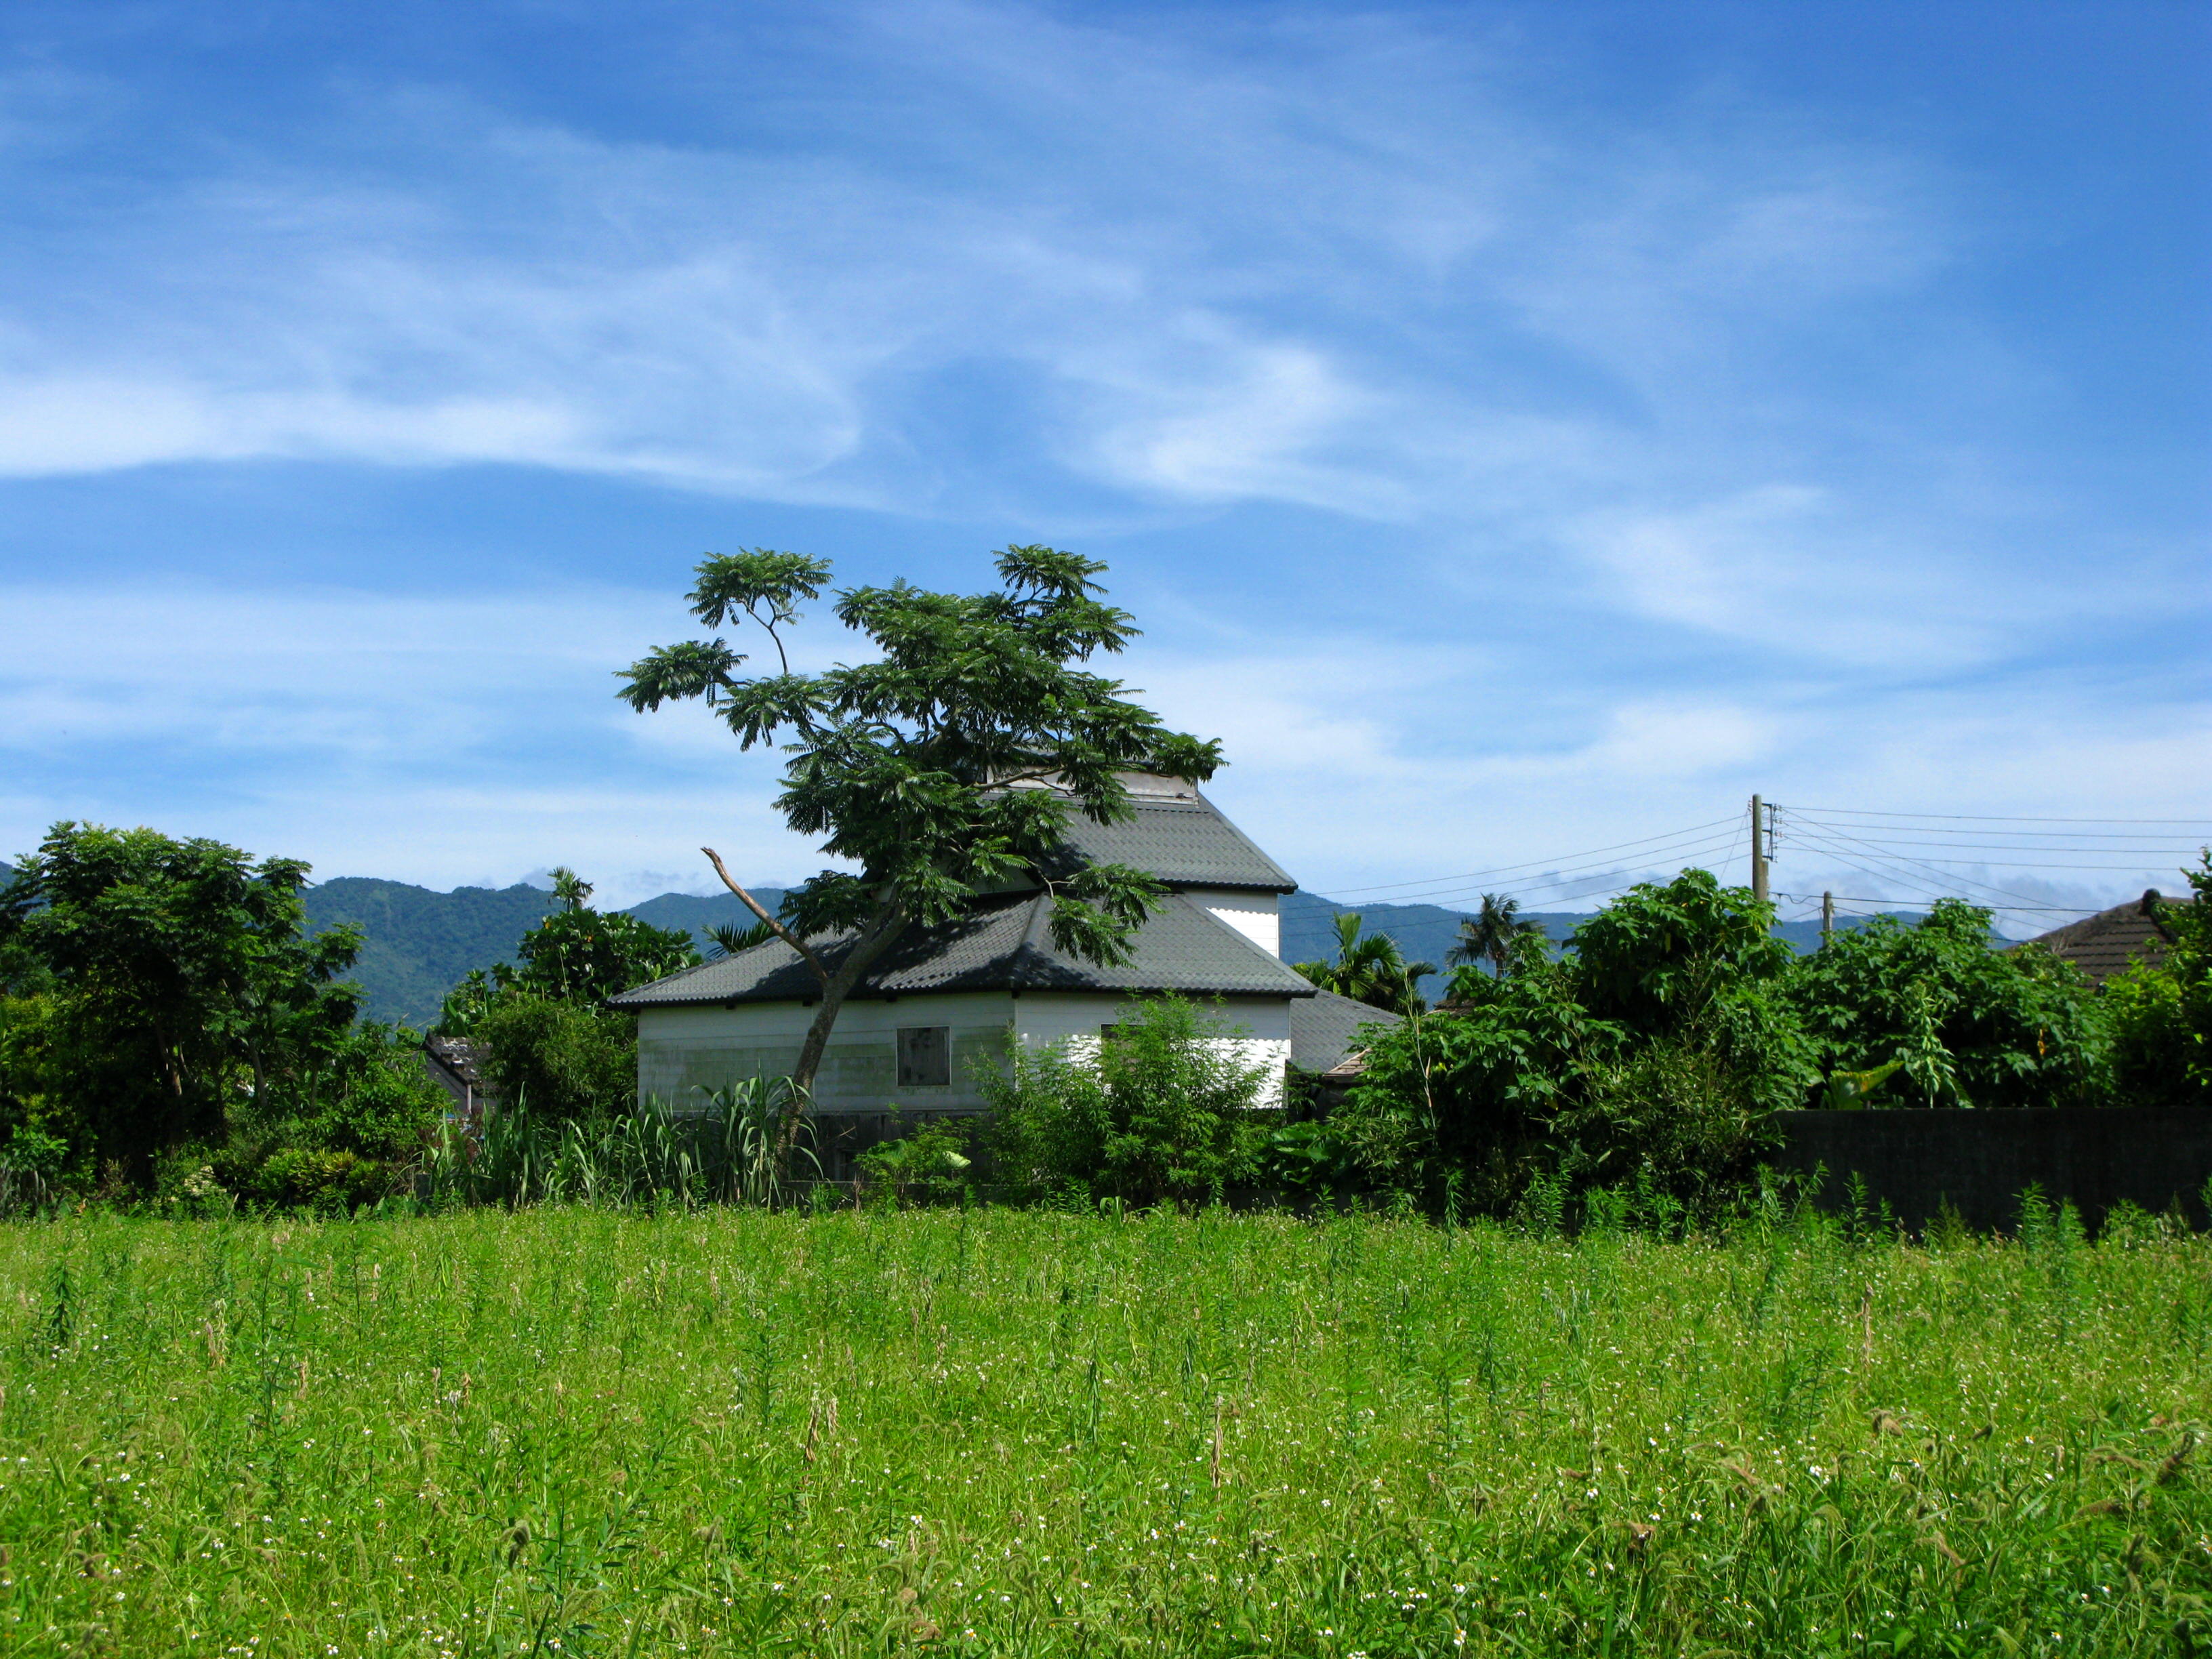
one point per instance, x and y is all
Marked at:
(1491, 934)
(911, 767)
(2160, 1016)
(1960, 1023)
(177, 976)
(1369, 969)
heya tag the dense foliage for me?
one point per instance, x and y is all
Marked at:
(2160, 1017)
(1369, 969)
(162, 1000)
(1650, 1058)
(999, 1432)
(1161, 1109)
(543, 1037)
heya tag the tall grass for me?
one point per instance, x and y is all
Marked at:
(737, 1431)
(723, 1151)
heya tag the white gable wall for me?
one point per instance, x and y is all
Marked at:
(1258, 916)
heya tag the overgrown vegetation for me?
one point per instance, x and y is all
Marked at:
(167, 1027)
(544, 1038)
(998, 1431)
(1648, 1059)
(1161, 1107)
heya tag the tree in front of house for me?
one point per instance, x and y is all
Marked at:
(1371, 969)
(942, 769)
(162, 997)
(544, 1037)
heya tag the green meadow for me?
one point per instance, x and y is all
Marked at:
(577, 1431)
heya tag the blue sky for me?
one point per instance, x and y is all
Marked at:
(1521, 429)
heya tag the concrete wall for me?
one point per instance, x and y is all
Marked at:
(1982, 1160)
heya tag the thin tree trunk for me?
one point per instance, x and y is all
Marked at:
(835, 989)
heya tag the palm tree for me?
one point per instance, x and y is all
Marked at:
(1489, 935)
(729, 938)
(1371, 970)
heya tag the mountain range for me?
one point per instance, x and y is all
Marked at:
(418, 942)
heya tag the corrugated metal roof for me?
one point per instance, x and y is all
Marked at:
(1325, 1027)
(1004, 945)
(2102, 945)
(1183, 840)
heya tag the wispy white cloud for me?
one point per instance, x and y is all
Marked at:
(1617, 403)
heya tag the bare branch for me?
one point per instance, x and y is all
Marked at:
(777, 927)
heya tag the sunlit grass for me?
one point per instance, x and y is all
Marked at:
(589, 1431)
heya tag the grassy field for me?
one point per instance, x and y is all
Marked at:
(589, 1432)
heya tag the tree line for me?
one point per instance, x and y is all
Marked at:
(169, 1028)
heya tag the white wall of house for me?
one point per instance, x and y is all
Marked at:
(680, 1050)
(1042, 1019)
(1258, 916)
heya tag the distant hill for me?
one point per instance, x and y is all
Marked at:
(1425, 933)
(696, 913)
(419, 942)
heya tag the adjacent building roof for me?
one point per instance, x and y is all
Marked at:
(1324, 1029)
(1179, 837)
(2102, 945)
(1004, 945)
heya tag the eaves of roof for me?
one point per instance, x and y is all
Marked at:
(1004, 944)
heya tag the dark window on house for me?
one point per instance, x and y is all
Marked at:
(924, 1056)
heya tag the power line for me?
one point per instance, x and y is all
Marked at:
(1533, 864)
(1883, 853)
(1974, 817)
(1564, 876)
(1923, 905)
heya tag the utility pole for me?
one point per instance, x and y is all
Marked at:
(1758, 849)
(1827, 916)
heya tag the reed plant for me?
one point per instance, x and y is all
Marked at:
(560, 1430)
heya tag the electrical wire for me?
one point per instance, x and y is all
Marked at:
(1974, 817)
(1942, 876)
(1556, 876)
(1533, 864)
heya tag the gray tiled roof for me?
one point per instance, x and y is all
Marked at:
(2102, 945)
(1004, 945)
(1183, 840)
(1326, 1028)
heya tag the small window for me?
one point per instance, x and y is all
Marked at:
(924, 1056)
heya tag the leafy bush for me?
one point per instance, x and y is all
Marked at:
(930, 1163)
(2161, 1018)
(154, 987)
(1946, 1020)
(1652, 1056)
(1163, 1109)
(321, 1178)
(563, 1059)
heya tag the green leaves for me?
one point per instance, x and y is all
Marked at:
(946, 765)
(1370, 969)
(178, 980)
(1966, 1023)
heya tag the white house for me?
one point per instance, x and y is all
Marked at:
(944, 1000)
